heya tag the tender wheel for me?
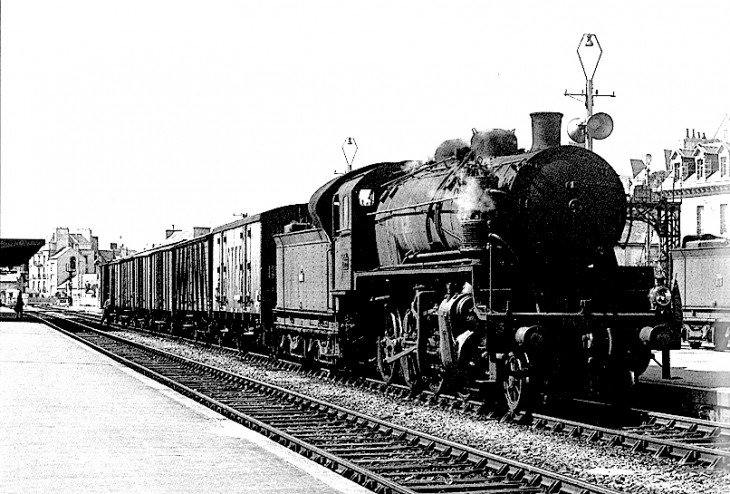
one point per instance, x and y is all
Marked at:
(516, 382)
(388, 344)
(216, 330)
(310, 351)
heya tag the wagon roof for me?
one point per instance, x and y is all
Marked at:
(254, 218)
(251, 218)
(176, 238)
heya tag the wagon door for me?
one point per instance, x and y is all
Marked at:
(252, 269)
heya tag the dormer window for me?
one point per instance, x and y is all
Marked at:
(678, 171)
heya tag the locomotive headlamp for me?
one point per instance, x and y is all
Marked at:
(660, 296)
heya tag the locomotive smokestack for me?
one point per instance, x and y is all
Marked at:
(545, 130)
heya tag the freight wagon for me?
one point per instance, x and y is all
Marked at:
(702, 271)
(219, 285)
(243, 272)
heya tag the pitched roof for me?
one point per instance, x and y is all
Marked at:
(637, 166)
(105, 255)
(713, 148)
(58, 253)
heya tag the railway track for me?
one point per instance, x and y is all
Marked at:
(689, 441)
(382, 456)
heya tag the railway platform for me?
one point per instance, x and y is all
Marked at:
(73, 420)
(699, 384)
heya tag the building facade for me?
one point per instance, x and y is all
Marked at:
(699, 176)
(66, 270)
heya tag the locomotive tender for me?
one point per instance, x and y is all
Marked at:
(487, 268)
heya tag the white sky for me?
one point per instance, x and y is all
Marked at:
(128, 117)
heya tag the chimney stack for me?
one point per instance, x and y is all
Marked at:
(200, 230)
(545, 130)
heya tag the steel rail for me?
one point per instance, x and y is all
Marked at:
(648, 438)
(687, 440)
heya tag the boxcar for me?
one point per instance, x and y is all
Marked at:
(702, 271)
(191, 281)
(140, 287)
(243, 270)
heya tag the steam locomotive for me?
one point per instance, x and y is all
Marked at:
(487, 269)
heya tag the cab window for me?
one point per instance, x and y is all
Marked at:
(366, 197)
(345, 221)
(336, 213)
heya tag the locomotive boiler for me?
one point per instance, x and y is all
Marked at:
(485, 268)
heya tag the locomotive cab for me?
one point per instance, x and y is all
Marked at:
(344, 208)
(354, 247)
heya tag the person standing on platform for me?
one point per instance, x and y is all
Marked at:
(107, 315)
(19, 306)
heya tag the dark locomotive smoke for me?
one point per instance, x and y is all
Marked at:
(545, 130)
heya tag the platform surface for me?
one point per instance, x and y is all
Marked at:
(703, 368)
(75, 421)
(699, 384)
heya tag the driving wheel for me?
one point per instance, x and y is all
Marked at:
(388, 344)
(409, 363)
(516, 381)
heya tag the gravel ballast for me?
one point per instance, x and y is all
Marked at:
(577, 457)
